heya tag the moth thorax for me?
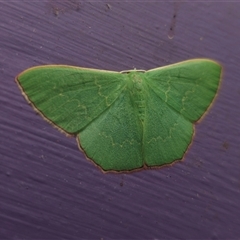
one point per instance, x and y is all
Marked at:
(138, 95)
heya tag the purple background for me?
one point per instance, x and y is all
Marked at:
(48, 190)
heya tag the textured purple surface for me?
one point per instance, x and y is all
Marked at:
(48, 190)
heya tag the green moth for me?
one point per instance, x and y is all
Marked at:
(127, 120)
